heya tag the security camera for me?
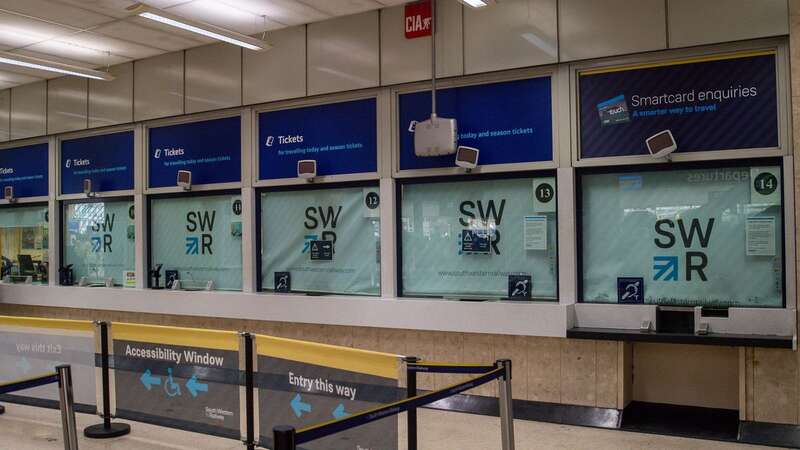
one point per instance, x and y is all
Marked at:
(435, 137)
(467, 157)
(661, 145)
(307, 168)
(185, 179)
(87, 187)
(8, 193)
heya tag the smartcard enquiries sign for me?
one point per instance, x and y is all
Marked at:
(341, 137)
(711, 103)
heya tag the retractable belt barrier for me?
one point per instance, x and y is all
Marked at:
(235, 385)
(63, 377)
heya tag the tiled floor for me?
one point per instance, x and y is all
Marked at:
(28, 428)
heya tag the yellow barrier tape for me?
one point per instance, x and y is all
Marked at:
(187, 337)
(35, 322)
(344, 358)
(676, 62)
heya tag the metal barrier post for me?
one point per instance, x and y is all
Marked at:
(106, 429)
(284, 438)
(66, 401)
(506, 405)
(250, 440)
(2, 409)
(411, 391)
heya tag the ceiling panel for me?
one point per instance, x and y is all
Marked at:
(18, 31)
(147, 34)
(57, 12)
(287, 12)
(344, 7)
(224, 15)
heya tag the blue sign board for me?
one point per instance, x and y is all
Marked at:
(509, 122)
(26, 169)
(712, 104)
(210, 149)
(106, 159)
(341, 137)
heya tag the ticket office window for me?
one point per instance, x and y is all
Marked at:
(706, 234)
(326, 240)
(99, 239)
(485, 238)
(196, 239)
(24, 243)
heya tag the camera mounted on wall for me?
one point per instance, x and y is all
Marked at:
(185, 180)
(467, 157)
(307, 168)
(661, 144)
(87, 187)
(8, 194)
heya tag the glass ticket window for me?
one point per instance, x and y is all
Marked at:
(23, 244)
(99, 242)
(482, 239)
(325, 240)
(196, 240)
(707, 236)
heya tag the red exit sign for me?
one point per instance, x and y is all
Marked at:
(418, 19)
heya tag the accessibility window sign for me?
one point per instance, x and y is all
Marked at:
(210, 149)
(106, 160)
(192, 388)
(25, 169)
(341, 137)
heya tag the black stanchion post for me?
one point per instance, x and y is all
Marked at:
(411, 391)
(106, 429)
(2, 409)
(506, 405)
(250, 441)
(284, 438)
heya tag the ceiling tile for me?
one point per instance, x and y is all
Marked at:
(287, 12)
(148, 35)
(56, 11)
(224, 15)
(343, 7)
(16, 31)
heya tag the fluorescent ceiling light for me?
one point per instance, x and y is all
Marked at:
(476, 3)
(52, 66)
(202, 28)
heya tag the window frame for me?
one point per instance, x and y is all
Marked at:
(529, 174)
(303, 187)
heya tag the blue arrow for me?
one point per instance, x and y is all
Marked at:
(665, 266)
(148, 380)
(299, 407)
(192, 245)
(339, 412)
(194, 387)
(24, 365)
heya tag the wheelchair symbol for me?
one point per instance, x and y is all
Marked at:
(171, 387)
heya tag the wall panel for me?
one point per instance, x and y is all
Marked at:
(29, 110)
(111, 102)
(513, 33)
(711, 21)
(406, 60)
(592, 29)
(67, 104)
(213, 77)
(343, 53)
(278, 73)
(5, 114)
(159, 86)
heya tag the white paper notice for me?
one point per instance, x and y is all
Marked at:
(760, 236)
(535, 232)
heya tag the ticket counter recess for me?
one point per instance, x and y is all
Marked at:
(97, 232)
(194, 204)
(691, 247)
(24, 215)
